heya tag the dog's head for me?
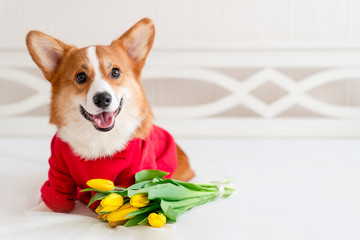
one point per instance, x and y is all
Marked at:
(98, 102)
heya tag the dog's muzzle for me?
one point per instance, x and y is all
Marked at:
(104, 121)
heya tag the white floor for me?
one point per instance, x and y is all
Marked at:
(286, 189)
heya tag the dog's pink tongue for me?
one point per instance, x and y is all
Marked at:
(104, 119)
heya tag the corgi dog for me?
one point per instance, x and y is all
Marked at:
(103, 119)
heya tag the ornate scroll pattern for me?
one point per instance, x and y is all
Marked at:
(40, 98)
(240, 92)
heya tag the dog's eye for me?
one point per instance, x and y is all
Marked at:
(81, 77)
(115, 73)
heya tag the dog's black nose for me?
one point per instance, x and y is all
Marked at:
(102, 99)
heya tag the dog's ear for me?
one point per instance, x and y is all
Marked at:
(46, 51)
(138, 40)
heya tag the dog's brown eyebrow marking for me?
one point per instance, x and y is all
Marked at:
(84, 66)
(110, 64)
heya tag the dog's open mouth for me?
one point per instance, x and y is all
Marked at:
(104, 121)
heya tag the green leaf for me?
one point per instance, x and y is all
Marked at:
(173, 209)
(102, 212)
(149, 174)
(170, 191)
(132, 192)
(184, 203)
(145, 189)
(97, 196)
(168, 211)
(168, 220)
(151, 183)
(157, 181)
(144, 222)
(179, 211)
(192, 186)
(122, 193)
(93, 190)
(146, 209)
(139, 185)
(228, 191)
(136, 220)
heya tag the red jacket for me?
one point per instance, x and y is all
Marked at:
(69, 173)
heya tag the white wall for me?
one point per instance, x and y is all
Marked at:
(187, 23)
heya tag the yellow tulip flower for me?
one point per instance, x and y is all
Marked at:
(157, 220)
(114, 224)
(111, 202)
(98, 209)
(101, 184)
(103, 216)
(120, 214)
(139, 200)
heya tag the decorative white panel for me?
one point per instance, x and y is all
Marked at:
(210, 118)
(241, 92)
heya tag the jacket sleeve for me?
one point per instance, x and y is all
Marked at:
(60, 191)
(165, 151)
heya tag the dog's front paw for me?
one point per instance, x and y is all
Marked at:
(41, 208)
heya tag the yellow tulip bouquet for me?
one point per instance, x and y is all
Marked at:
(153, 200)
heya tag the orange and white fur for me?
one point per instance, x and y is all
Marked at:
(78, 76)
